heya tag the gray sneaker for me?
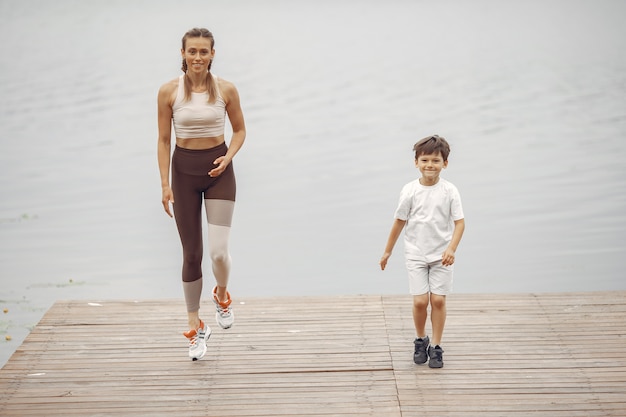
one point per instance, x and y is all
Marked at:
(421, 354)
(436, 357)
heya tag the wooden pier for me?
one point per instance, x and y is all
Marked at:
(515, 355)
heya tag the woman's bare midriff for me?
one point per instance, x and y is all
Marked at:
(200, 143)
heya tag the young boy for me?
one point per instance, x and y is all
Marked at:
(430, 208)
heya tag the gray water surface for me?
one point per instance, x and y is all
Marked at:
(531, 96)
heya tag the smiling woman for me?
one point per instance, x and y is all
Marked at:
(197, 103)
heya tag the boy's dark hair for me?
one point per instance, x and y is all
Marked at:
(430, 145)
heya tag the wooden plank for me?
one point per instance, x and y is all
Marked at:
(517, 354)
(281, 358)
(505, 354)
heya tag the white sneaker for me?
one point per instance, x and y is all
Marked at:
(197, 341)
(225, 316)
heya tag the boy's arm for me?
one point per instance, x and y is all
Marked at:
(396, 229)
(448, 254)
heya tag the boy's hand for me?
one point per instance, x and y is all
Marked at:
(383, 260)
(448, 257)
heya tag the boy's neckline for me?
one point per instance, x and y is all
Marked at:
(429, 185)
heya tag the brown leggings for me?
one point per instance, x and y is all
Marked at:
(190, 185)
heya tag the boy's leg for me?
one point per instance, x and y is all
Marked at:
(418, 286)
(421, 342)
(440, 278)
(437, 317)
(420, 313)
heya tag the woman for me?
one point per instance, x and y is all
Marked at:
(196, 103)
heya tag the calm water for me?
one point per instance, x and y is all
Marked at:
(531, 95)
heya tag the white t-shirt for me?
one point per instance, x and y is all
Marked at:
(430, 213)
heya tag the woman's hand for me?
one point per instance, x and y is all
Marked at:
(221, 162)
(166, 199)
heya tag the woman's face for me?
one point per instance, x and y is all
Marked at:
(198, 54)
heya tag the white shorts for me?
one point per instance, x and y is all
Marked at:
(429, 277)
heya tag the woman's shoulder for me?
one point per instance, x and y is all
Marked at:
(170, 86)
(169, 90)
(226, 87)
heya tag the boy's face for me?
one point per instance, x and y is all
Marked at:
(430, 166)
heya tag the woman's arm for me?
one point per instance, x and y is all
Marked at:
(164, 145)
(235, 115)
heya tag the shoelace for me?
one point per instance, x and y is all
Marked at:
(193, 340)
(224, 311)
(222, 307)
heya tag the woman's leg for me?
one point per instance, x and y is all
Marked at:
(187, 213)
(219, 217)
(219, 201)
(193, 291)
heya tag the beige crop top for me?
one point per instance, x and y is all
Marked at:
(197, 118)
